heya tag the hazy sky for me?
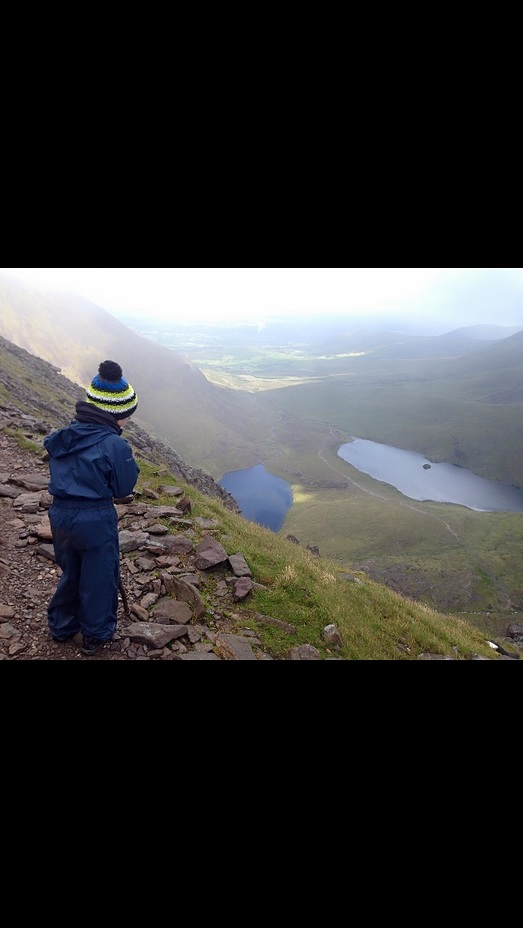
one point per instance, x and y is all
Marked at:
(454, 296)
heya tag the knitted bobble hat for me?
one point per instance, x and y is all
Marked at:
(111, 393)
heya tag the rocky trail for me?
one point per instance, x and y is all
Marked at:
(180, 590)
(162, 612)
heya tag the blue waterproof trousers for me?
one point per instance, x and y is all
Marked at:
(86, 546)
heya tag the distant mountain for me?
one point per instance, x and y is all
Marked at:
(206, 424)
(501, 354)
(399, 345)
(486, 333)
(494, 375)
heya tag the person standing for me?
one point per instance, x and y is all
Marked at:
(90, 466)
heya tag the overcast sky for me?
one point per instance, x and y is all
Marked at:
(453, 296)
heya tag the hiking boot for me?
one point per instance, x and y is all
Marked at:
(92, 645)
(64, 638)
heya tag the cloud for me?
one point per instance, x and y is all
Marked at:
(438, 295)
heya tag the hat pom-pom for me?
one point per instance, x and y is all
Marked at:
(110, 370)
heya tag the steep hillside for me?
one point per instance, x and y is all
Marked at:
(34, 387)
(206, 424)
(494, 375)
(251, 596)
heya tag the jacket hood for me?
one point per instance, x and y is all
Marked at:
(76, 438)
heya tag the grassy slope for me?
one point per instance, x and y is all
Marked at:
(445, 555)
(442, 408)
(420, 410)
(310, 593)
(293, 586)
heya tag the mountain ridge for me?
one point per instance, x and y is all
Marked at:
(177, 404)
(33, 385)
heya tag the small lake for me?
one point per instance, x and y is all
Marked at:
(262, 497)
(419, 479)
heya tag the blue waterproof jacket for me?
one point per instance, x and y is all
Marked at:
(91, 460)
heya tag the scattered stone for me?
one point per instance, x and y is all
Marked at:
(174, 580)
(243, 588)
(210, 553)
(239, 566)
(305, 652)
(332, 636)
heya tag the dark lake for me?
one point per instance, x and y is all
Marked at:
(416, 477)
(262, 497)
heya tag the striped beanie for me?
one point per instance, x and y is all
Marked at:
(111, 393)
